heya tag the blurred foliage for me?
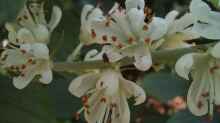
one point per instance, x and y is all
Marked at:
(53, 103)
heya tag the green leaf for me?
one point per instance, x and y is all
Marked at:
(187, 117)
(65, 103)
(165, 85)
(30, 105)
(9, 9)
(216, 3)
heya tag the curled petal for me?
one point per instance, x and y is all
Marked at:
(196, 101)
(139, 4)
(109, 81)
(133, 90)
(208, 31)
(55, 18)
(46, 77)
(143, 60)
(83, 84)
(184, 65)
(215, 52)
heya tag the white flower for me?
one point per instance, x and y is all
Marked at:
(104, 96)
(128, 31)
(206, 21)
(204, 91)
(32, 25)
(26, 61)
(179, 31)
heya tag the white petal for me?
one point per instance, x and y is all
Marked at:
(216, 86)
(140, 4)
(25, 35)
(80, 85)
(109, 81)
(171, 16)
(157, 28)
(143, 60)
(55, 18)
(93, 55)
(131, 89)
(120, 114)
(41, 33)
(181, 24)
(39, 50)
(14, 57)
(215, 52)
(21, 82)
(46, 77)
(37, 11)
(113, 54)
(136, 19)
(96, 108)
(196, 103)
(184, 65)
(207, 30)
(11, 32)
(200, 10)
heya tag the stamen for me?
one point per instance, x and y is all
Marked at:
(145, 27)
(147, 40)
(23, 66)
(103, 100)
(93, 33)
(120, 46)
(130, 40)
(212, 70)
(199, 105)
(205, 94)
(105, 38)
(114, 39)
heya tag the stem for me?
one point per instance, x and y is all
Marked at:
(159, 57)
(75, 53)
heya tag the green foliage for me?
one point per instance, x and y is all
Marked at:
(187, 117)
(9, 9)
(31, 105)
(164, 85)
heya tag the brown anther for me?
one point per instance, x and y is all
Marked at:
(30, 60)
(17, 41)
(145, 27)
(107, 24)
(147, 40)
(88, 112)
(23, 51)
(114, 39)
(113, 105)
(103, 100)
(199, 105)
(93, 33)
(206, 94)
(120, 46)
(77, 116)
(86, 106)
(105, 38)
(85, 99)
(23, 66)
(130, 40)
(212, 70)
(101, 84)
(25, 17)
(22, 75)
(19, 19)
(12, 67)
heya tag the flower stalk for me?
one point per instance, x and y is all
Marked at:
(159, 57)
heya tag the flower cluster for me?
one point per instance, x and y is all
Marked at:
(133, 31)
(25, 54)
